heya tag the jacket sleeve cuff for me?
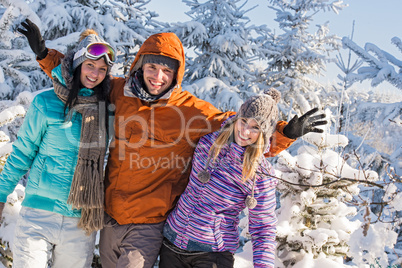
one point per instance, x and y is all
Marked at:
(279, 141)
(52, 60)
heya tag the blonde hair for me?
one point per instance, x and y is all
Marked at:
(252, 154)
(87, 32)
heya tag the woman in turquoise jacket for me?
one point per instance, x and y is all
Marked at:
(62, 142)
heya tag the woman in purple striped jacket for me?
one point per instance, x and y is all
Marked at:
(229, 173)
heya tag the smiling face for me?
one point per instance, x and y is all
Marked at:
(246, 131)
(157, 78)
(93, 72)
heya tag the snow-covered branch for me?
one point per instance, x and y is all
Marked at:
(10, 114)
(381, 64)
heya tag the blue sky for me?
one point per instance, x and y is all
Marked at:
(376, 21)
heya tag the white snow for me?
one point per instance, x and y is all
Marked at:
(372, 129)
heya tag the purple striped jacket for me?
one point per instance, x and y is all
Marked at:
(208, 213)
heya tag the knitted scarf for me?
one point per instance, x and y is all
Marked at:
(87, 189)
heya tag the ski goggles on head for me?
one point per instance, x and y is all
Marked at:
(95, 51)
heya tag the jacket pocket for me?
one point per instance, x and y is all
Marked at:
(54, 180)
(34, 182)
(219, 243)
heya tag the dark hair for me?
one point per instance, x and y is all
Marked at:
(102, 91)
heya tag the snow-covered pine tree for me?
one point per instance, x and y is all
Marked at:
(124, 24)
(224, 47)
(314, 224)
(375, 118)
(18, 70)
(341, 90)
(381, 64)
(299, 52)
(374, 124)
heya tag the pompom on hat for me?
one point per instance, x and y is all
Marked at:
(88, 37)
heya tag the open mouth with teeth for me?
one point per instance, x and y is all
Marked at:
(242, 137)
(156, 84)
(91, 80)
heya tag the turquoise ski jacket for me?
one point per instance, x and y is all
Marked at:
(47, 147)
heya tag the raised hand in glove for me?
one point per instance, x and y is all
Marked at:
(298, 126)
(36, 42)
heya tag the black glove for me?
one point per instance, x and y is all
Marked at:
(36, 42)
(297, 127)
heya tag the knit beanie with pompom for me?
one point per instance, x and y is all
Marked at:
(263, 108)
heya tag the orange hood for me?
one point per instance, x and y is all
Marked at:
(165, 44)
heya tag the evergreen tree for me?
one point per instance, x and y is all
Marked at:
(125, 24)
(342, 87)
(313, 220)
(297, 53)
(224, 48)
(381, 64)
(358, 114)
(18, 71)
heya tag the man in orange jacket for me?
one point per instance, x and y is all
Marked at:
(157, 126)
